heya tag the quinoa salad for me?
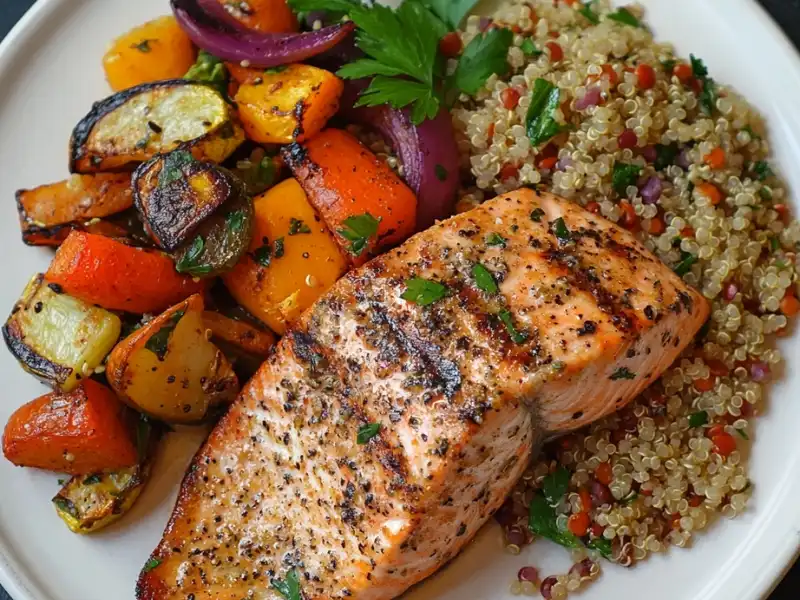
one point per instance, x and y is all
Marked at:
(651, 141)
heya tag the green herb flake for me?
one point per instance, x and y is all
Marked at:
(630, 498)
(367, 432)
(276, 70)
(518, 337)
(624, 175)
(297, 226)
(263, 254)
(669, 65)
(601, 545)
(559, 229)
(665, 156)
(537, 214)
(158, 343)
(289, 588)
(708, 93)
(359, 230)
(587, 10)
(762, 170)
(529, 48)
(211, 70)
(279, 248)
(235, 220)
(484, 279)
(555, 485)
(685, 264)
(742, 433)
(143, 46)
(172, 167)
(622, 373)
(188, 263)
(774, 244)
(753, 134)
(484, 56)
(540, 120)
(698, 419)
(543, 521)
(495, 239)
(624, 16)
(62, 482)
(441, 172)
(92, 479)
(151, 564)
(423, 291)
(765, 193)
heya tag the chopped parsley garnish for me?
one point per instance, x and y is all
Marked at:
(158, 343)
(540, 120)
(279, 250)
(622, 373)
(601, 545)
(211, 70)
(685, 264)
(774, 244)
(624, 16)
(484, 279)
(537, 214)
(708, 93)
(276, 70)
(367, 432)
(753, 134)
(542, 517)
(143, 46)
(669, 65)
(624, 175)
(495, 239)
(92, 479)
(698, 67)
(762, 170)
(289, 588)
(189, 262)
(665, 156)
(484, 56)
(234, 221)
(529, 48)
(359, 230)
(297, 226)
(172, 167)
(587, 10)
(264, 254)
(518, 337)
(765, 193)
(423, 291)
(151, 564)
(441, 172)
(561, 232)
(698, 419)
(742, 433)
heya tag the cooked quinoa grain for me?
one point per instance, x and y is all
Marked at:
(650, 141)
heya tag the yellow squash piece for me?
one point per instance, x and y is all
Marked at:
(293, 258)
(136, 124)
(287, 105)
(57, 337)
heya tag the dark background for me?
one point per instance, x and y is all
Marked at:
(786, 12)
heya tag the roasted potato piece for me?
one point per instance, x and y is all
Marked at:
(48, 212)
(134, 125)
(82, 431)
(293, 258)
(175, 193)
(245, 345)
(170, 370)
(58, 338)
(88, 503)
(288, 104)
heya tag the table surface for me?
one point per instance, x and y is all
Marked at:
(786, 12)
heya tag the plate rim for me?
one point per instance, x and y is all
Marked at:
(20, 585)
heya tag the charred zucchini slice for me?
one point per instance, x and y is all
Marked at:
(57, 337)
(134, 125)
(89, 503)
(174, 194)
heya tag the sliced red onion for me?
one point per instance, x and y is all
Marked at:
(428, 151)
(650, 153)
(759, 370)
(627, 140)
(211, 28)
(651, 190)
(592, 97)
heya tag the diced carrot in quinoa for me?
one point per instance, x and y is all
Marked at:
(646, 76)
(683, 72)
(79, 432)
(578, 523)
(724, 444)
(790, 305)
(704, 385)
(154, 51)
(710, 191)
(102, 271)
(715, 159)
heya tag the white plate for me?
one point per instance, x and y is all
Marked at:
(50, 73)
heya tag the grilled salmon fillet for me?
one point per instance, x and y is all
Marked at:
(383, 432)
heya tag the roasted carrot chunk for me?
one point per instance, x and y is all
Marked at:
(291, 104)
(358, 196)
(47, 213)
(154, 51)
(79, 432)
(269, 16)
(102, 271)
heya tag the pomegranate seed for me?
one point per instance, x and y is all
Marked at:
(508, 171)
(646, 75)
(510, 98)
(597, 530)
(593, 207)
(627, 139)
(528, 574)
(546, 589)
(601, 494)
(450, 45)
(556, 53)
(695, 500)
(730, 291)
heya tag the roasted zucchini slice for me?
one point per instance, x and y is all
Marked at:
(58, 338)
(174, 194)
(170, 370)
(134, 125)
(89, 503)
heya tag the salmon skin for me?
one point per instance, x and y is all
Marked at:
(382, 433)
